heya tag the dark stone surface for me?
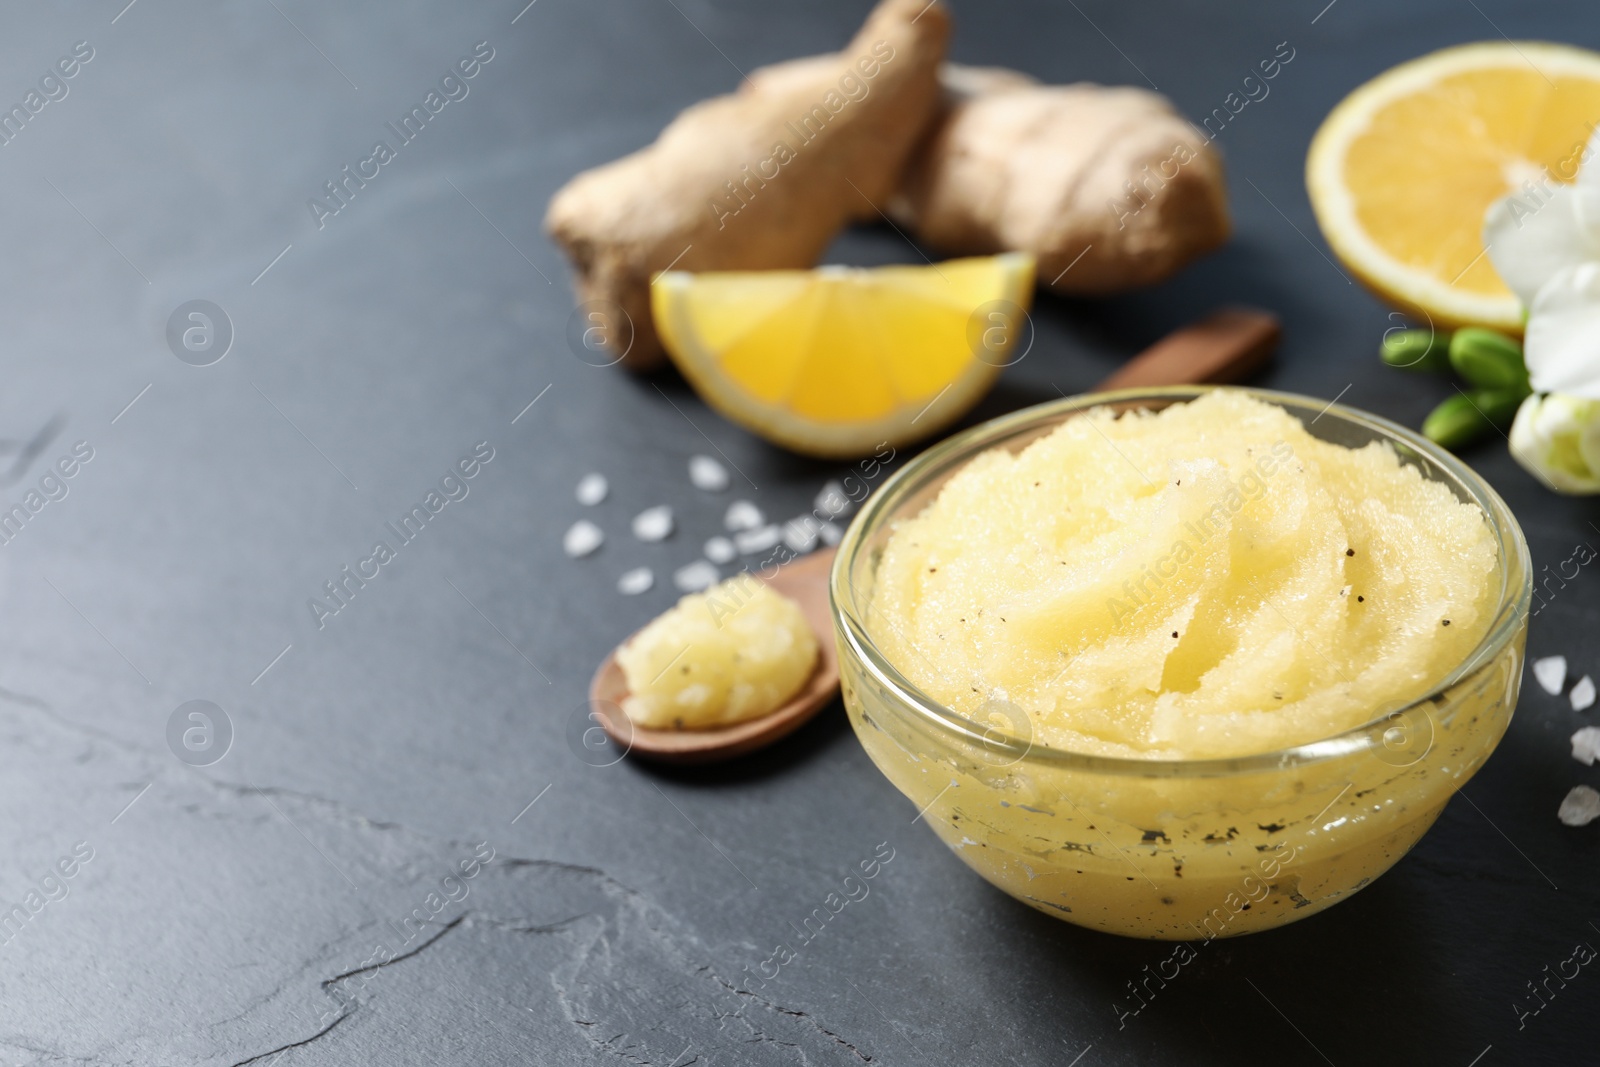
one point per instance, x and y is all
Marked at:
(228, 911)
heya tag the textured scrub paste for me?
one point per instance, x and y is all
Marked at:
(735, 652)
(1207, 580)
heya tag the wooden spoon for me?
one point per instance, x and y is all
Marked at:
(805, 581)
(1226, 346)
(1223, 347)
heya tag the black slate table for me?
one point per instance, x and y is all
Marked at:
(380, 842)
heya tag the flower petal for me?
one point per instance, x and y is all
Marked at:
(1587, 186)
(1554, 437)
(1530, 238)
(1589, 446)
(1563, 341)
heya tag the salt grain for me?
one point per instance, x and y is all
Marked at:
(1583, 694)
(801, 534)
(695, 576)
(1550, 673)
(743, 515)
(706, 473)
(1581, 807)
(592, 488)
(759, 540)
(831, 501)
(1586, 745)
(653, 524)
(636, 581)
(582, 538)
(832, 533)
(720, 550)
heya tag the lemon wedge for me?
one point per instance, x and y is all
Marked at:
(837, 361)
(1403, 169)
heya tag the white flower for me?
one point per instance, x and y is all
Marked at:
(1545, 245)
(1557, 438)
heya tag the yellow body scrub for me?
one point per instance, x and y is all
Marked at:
(1184, 663)
(735, 652)
(1209, 580)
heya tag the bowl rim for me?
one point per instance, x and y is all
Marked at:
(1509, 618)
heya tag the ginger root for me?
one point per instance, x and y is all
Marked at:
(1112, 175)
(759, 179)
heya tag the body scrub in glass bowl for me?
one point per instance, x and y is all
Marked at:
(1182, 663)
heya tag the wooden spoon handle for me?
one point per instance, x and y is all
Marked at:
(1225, 346)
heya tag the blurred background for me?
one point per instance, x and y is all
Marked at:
(266, 892)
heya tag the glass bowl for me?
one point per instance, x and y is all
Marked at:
(1163, 848)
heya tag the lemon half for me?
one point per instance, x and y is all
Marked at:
(1403, 169)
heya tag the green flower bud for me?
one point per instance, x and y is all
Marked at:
(1416, 350)
(1488, 360)
(1499, 406)
(1456, 423)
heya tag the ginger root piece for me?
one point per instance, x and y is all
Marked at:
(1112, 174)
(759, 179)
(958, 81)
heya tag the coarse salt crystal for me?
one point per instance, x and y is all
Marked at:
(592, 488)
(801, 534)
(743, 515)
(1583, 694)
(1581, 807)
(653, 524)
(636, 581)
(582, 538)
(720, 550)
(759, 540)
(693, 577)
(832, 501)
(832, 533)
(1550, 673)
(1586, 745)
(706, 473)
